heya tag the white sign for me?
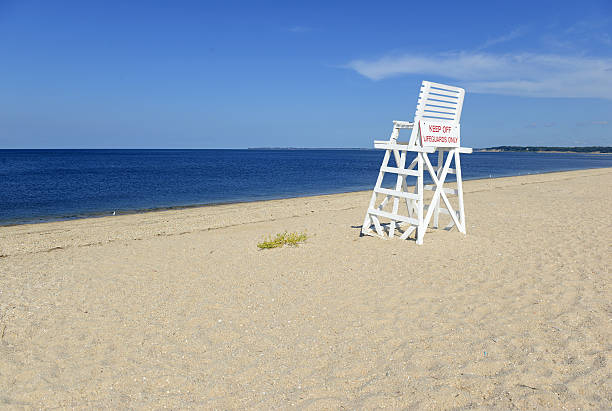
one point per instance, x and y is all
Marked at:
(439, 134)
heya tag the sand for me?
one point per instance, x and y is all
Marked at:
(180, 309)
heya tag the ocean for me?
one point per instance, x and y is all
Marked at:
(48, 185)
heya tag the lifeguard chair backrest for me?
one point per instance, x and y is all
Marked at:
(439, 102)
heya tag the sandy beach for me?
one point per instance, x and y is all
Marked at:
(180, 309)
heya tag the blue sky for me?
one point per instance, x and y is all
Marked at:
(207, 74)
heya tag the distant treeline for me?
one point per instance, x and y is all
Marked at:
(592, 149)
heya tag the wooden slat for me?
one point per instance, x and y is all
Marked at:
(401, 165)
(429, 107)
(441, 209)
(408, 231)
(389, 146)
(461, 212)
(462, 150)
(402, 124)
(446, 190)
(450, 170)
(430, 114)
(403, 172)
(395, 217)
(383, 203)
(443, 92)
(396, 193)
(445, 86)
(377, 226)
(430, 102)
(441, 98)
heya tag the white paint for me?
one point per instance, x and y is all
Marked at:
(437, 115)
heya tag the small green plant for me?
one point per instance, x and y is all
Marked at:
(292, 239)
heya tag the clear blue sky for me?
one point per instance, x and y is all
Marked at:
(207, 74)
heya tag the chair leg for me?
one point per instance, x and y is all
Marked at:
(439, 172)
(460, 192)
(421, 228)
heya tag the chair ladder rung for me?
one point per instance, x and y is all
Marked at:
(396, 193)
(395, 217)
(402, 171)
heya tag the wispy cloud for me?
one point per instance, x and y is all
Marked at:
(300, 29)
(596, 123)
(517, 32)
(526, 74)
(582, 35)
(536, 125)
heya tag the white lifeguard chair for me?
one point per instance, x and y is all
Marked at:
(436, 128)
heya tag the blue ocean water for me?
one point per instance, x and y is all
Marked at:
(44, 185)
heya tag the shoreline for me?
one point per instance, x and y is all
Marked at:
(120, 212)
(168, 223)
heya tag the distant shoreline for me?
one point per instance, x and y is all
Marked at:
(499, 149)
(546, 149)
(527, 149)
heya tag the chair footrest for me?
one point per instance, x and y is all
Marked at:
(395, 217)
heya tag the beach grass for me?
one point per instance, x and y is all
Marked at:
(282, 239)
